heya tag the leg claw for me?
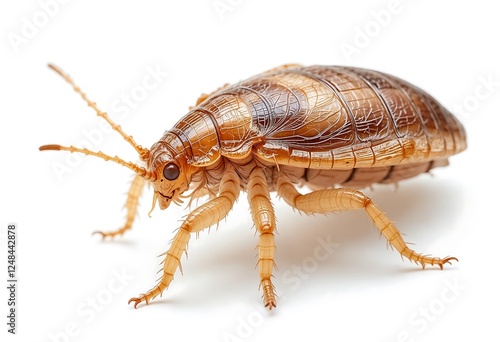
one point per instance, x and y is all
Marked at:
(447, 260)
(437, 261)
(138, 300)
(104, 235)
(270, 304)
(98, 232)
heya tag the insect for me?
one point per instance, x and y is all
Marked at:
(334, 129)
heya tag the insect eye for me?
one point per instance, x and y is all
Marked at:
(171, 171)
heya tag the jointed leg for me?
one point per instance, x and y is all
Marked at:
(329, 200)
(131, 206)
(202, 217)
(265, 222)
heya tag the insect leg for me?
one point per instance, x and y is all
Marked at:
(202, 217)
(265, 222)
(330, 200)
(131, 205)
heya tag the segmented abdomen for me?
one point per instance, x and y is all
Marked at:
(337, 117)
(324, 117)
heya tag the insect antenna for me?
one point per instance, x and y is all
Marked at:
(141, 171)
(143, 152)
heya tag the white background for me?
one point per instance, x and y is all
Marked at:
(361, 292)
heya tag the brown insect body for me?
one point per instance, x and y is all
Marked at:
(331, 128)
(321, 125)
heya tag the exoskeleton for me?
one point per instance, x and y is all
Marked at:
(334, 129)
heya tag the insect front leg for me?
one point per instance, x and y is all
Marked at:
(331, 200)
(265, 223)
(131, 206)
(202, 217)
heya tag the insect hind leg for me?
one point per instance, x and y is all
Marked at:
(331, 200)
(130, 205)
